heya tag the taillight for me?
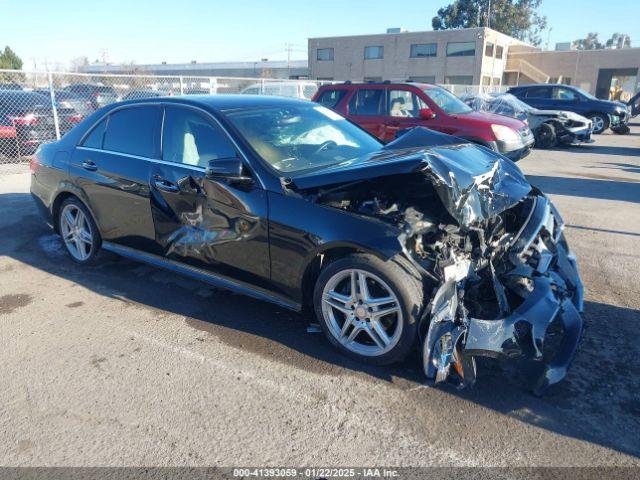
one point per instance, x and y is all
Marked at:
(29, 119)
(34, 163)
(75, 118)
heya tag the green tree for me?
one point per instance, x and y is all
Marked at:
(9, 60)
(517, 18)
(619, 40)
(590, 42)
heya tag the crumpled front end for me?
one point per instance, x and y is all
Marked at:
(522, 303)
(489, 247)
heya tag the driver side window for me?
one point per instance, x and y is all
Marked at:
(560, 93)
(190, 138)
(403, 103)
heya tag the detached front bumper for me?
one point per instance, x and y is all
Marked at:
(543, 331)
(581, 135)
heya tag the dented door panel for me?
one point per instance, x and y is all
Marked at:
(215, 225)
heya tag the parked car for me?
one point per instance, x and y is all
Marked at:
(550, 127)
(387, 109)
(426, 237)
(634, 104)
(70, 100)
(291, 89)
(603, 114)
(31, 116)
(98, 95)
(138, 94)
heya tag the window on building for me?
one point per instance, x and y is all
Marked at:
(325, 55)
(488, 49)
(191, 139)
(423, 79)
(373, 53)
(486, 81)
(133, 131)
(330, 98)
(459, 80)
(496, 81)
(367, 102)
(420, 50)
(403, 103)
(499, 51)
(461, 49)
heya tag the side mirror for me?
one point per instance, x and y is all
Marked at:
(226, 168)
(427, 114)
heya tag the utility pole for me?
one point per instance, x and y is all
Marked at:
(489, 15)
(289, 47)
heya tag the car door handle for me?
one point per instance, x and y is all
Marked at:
(165, 185)
(89, 165)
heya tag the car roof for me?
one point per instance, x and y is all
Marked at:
(530, 85)
(226, 101)
(346, 85)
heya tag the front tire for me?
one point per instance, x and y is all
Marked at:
(600, 122)
(369, 308)
(546, 136)
(79, 232)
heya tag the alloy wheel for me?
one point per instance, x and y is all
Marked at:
(598, 123)
(362, 312)
(76, 233)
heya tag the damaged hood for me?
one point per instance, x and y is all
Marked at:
(474, 183)
(562, 114)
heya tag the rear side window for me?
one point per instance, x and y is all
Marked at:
(191, 139)
(367, 102)
(538, 92)
(330, 98)
(94, 139)
(133, 131)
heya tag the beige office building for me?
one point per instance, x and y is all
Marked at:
(474, 56)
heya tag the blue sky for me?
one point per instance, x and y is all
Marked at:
(146, 31)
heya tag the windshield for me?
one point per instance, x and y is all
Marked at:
(301, 137)
(447, 101)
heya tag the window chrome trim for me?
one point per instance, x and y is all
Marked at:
(138, 157)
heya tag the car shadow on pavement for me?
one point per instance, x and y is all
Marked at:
(625, 167)
(610, 150)
(601, 187)
(598, 402)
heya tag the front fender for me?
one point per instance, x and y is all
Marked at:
(300, 230)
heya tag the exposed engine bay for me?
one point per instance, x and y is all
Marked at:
(491, 250)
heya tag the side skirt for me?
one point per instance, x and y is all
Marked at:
(199, 274)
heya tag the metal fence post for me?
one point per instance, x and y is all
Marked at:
(181, 85)
(54, 108)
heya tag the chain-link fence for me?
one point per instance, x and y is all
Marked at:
(37, 107)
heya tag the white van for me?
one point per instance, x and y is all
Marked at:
(305, 90)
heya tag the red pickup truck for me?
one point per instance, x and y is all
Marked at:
(385, 109)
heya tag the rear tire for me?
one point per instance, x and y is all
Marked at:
(79, 232)
(350, 299)
(600, 122)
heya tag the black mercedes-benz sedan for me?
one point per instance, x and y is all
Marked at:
(426, 240)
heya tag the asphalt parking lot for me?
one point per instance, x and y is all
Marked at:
(124, 364)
